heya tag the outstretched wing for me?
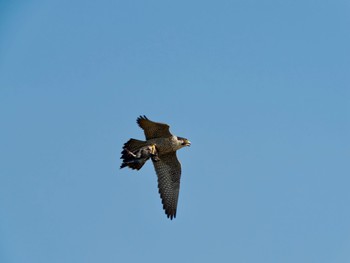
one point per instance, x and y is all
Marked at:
(153, 129)
(168, 170)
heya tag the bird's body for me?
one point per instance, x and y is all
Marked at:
(166, 164)
(166, 145)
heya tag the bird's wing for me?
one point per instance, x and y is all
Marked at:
(168, 170)
(153, 129)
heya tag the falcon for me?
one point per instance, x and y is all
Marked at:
(160, 146)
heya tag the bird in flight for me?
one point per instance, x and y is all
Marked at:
(160, 146)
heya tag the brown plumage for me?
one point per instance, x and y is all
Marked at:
(166, 164)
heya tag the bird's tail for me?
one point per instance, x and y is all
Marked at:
(128, 157)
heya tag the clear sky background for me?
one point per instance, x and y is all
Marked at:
(260, 88)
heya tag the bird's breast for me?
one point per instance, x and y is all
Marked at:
(164, 145)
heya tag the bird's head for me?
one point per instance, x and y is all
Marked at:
(184, 141)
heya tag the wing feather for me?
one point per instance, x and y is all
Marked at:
(153, 129)
(168, 170)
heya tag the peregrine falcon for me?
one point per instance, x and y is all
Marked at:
(161, 147)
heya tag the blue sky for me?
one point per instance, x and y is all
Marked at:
(261, 88)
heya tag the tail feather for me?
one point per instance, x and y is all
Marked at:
(136, 165)
(128, 157)
(130, 160)
(133, 144)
